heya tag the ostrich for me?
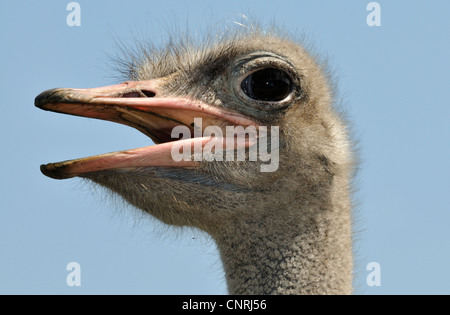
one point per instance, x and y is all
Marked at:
(287, 231)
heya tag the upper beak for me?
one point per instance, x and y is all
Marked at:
(139, 104)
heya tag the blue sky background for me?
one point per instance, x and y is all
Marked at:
(394, 80)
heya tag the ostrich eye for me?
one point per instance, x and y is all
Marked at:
(269, 85)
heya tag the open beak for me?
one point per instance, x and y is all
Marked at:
(139, 104)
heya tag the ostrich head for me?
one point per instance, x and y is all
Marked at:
(286, 230)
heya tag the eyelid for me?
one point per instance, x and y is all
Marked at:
(262, 55)
(255, 62)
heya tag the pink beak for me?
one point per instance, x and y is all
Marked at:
(139, 104)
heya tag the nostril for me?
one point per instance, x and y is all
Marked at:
(140, 93)
(148, 93)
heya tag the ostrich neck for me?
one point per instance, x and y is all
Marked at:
(301, 248)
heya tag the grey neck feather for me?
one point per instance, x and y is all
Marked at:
(312, 256)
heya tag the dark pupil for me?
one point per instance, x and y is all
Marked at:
(270, 85)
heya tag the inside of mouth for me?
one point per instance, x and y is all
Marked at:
(159, 124)
(159, 128)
